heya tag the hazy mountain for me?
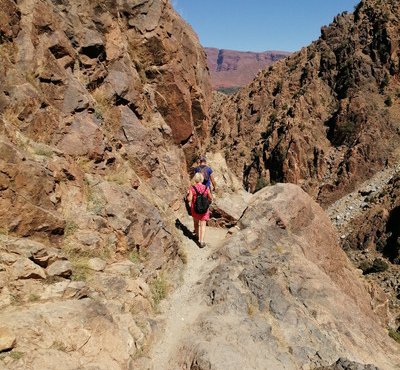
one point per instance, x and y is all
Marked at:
(232, 69)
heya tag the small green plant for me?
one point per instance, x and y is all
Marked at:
(183, 255)
(80, 269)
(378, 265)
(394, 334)
(43, 150)
(70, 228)
(251, 309)
(261, 183)
(277, 89)
(95, 202)
(33, 297)
(10, 115)
(272, 118)
(16, 355)
(120, 178)
(158, 289)
(229, 90)
(79, 260)
(59, 346)
(134, 256)
(388, 101)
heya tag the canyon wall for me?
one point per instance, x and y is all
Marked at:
(325, 118)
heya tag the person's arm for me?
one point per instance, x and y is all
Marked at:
(190, 197)
(212, 181)
(209, 195)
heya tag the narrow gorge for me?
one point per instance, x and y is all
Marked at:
(105, 106)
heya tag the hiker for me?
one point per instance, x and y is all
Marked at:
(198, 193)
(206, 171)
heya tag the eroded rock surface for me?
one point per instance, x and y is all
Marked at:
(102, 106)
(325, 118)
(285, 296)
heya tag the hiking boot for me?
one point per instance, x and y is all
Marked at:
(202, 245)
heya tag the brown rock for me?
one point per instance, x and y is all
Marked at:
(234, 69)
(26, 269)
(97, 264)
(60, 268)
(7, 339)
(318, 118)
(275, 290)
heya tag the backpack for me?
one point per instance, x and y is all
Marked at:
(205, 173)
(201, 203)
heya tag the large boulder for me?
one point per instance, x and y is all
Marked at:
(284, 295)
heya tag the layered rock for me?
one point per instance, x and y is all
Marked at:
(284, 295)
(234, 69)
(102, 106)
(326, 117)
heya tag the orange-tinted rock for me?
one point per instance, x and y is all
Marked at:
(321, 118)
(233, 69)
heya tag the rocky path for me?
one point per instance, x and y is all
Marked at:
(181, 309)
(345, 209)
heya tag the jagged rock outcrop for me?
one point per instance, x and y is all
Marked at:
(326, 117)
(234, 69)
(378, 225)
(102, 106)
(284, 295)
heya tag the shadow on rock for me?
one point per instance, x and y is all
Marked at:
(186, 232)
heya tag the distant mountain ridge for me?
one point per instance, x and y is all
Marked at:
(232, 68)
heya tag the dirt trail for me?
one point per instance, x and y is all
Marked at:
(182, 308)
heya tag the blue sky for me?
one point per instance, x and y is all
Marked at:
(259, 25)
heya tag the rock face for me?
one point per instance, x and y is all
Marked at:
(326, 117)
(102, 106)
(285, 296)
(233, 69)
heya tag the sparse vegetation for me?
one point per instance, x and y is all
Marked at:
(252, 308)
(59, 346)
(378, 265)
(79, 260)
(95, 202)
(272, 118)
(134, 256)
(229, 90)
(43, 150)
(120, 177)
(80, 270)
(10, 115)
(278, 88)
(261, 183)
(16, 355)
(70, 228)
(388, 101)
(159, 289)
(3, 231)
(394, 334)
(183, 255)
(33, 297)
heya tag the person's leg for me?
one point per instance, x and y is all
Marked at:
(202, 231)
(196, 227)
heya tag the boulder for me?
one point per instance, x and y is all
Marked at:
(283, 295)
(26, 269)
(97, 264)
(60, 268)
(7, 339)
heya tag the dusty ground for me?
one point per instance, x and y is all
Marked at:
(182, 308)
